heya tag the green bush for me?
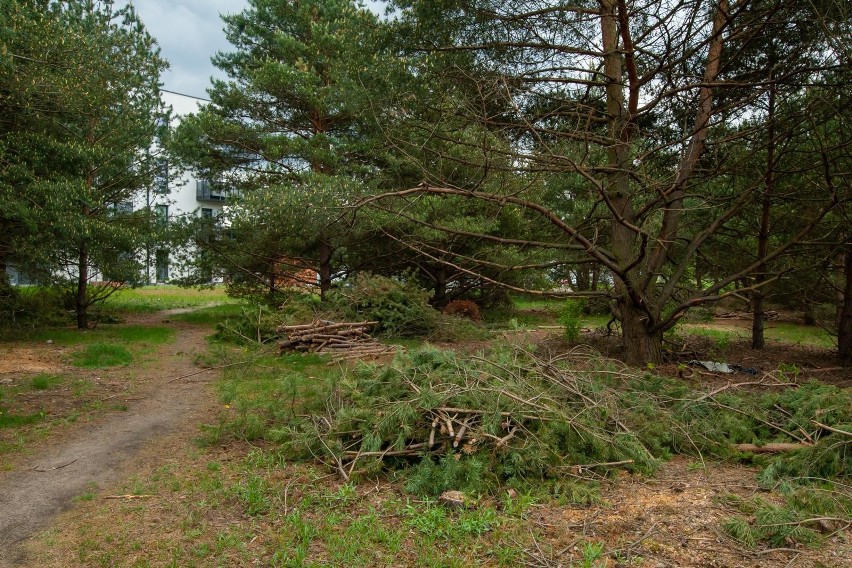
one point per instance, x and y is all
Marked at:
(400, 307)
(570, 317)
(30, 307)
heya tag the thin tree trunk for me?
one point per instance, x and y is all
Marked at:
(325, 252)
(758, 340)
(439, 299)
(844, 328)
(81, 306)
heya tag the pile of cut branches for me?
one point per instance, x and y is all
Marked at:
(343, 340)
(509, 415)
(513, 414)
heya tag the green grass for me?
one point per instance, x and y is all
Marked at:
(44, 381)
(156, 298)
(800, 334)
(98, 355)
(775, 333)
(537, 303)
(8, 420)
(212, 314)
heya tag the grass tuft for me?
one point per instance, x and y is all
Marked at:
(99, 355)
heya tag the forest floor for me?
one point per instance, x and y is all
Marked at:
(126, 483)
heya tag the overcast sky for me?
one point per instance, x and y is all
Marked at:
(189, 33)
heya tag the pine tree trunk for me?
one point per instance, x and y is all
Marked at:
(325, 252)
(758, 340)
(439, 299)
(80, 304)
(808, 316)
(844, 328)
(641, 346)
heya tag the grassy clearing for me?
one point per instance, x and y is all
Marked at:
(33, 405)
(212, 314)
(258, 503)
(259, 509)
(165, 297)
(779, 333)
(108, 345)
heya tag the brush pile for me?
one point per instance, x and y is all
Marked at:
(342, 340)
(475, 421)
(472, 417)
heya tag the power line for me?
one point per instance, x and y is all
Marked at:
(185, 95)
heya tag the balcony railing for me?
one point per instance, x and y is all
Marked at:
(205, 190)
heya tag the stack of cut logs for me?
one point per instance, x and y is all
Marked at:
(342, 340)
(742, 314)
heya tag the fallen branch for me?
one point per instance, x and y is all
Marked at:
(128, 496)
(218, 367)
(830, 429)
(772, 448)
(55, 468)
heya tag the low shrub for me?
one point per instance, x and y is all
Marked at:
(570, 317)
(400, 307)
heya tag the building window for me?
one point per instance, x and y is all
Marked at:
(206, 213)
(122, 208)
(161, 177)
(162, 265)
(206, 190)
(161, 212)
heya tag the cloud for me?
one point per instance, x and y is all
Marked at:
(189, 33)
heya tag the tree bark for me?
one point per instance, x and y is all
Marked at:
(641, 346)
(439, 299)
(81, 306)
(325, 252)
(844, 328)
(758, 340)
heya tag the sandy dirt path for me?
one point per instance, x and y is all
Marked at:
(101, 453)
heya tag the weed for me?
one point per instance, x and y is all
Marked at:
(570, 318)
(253, 491)
(592, 553)
(434, 522)
(89, 494)
(431, 520)
(517, 504)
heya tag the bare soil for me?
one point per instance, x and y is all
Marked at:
(88, 455)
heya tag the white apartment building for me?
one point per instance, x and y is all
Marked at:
(170, 200)
(186, 196)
